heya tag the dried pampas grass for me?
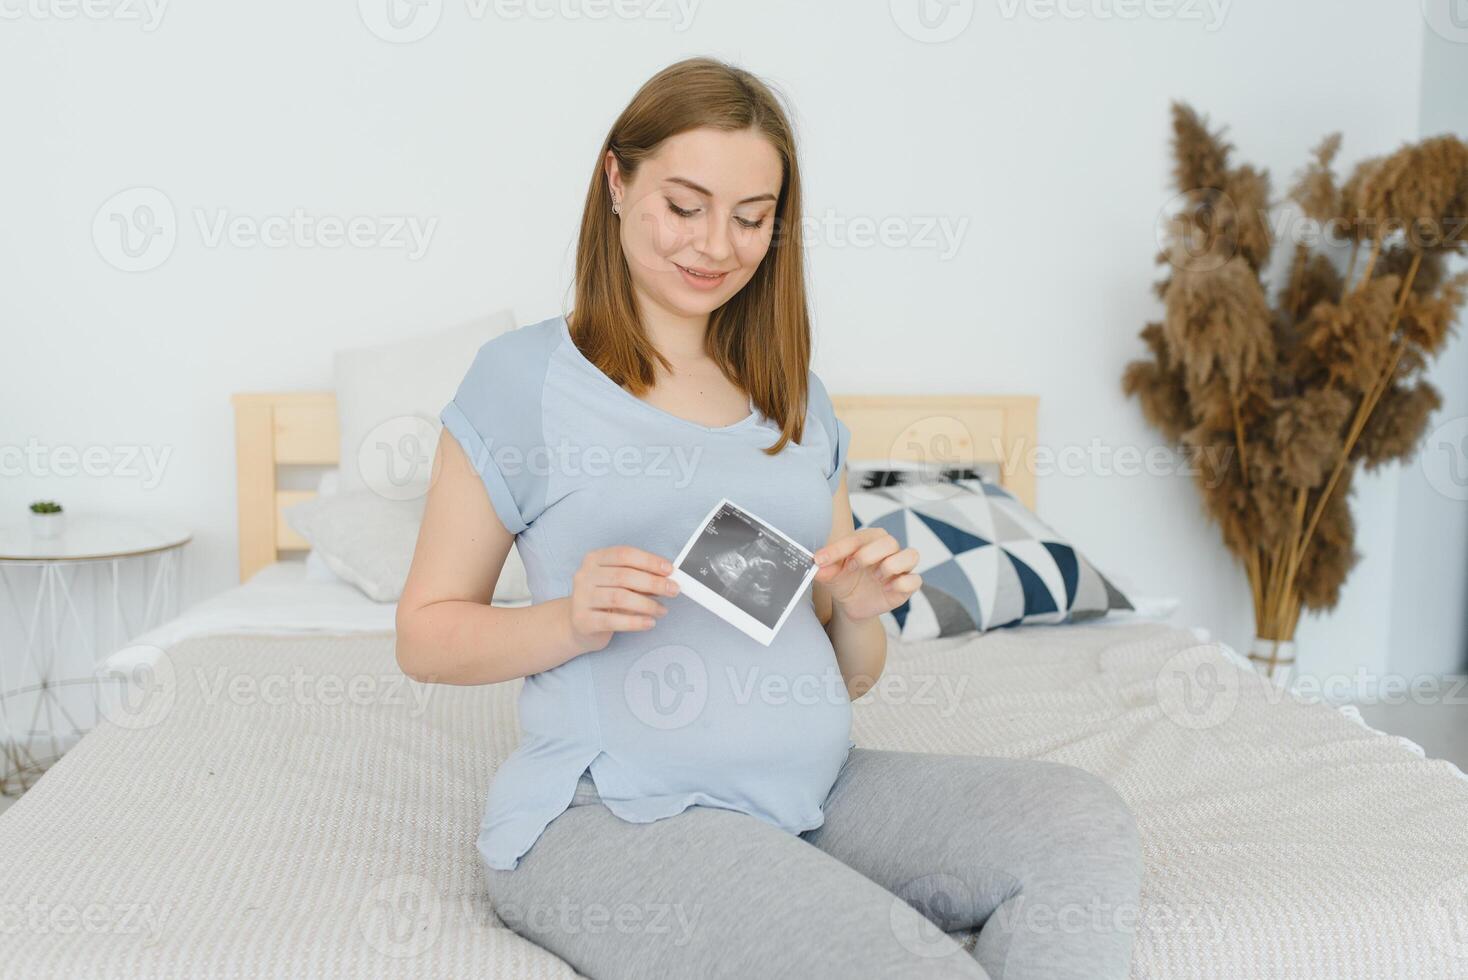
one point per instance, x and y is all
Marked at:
(1282, 399)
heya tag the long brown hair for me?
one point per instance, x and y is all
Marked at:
(760, 338)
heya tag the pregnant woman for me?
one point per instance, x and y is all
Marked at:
(686, 802)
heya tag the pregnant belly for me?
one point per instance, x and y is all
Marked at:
(728, 709)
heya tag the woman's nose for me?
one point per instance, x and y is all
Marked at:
(714, 241)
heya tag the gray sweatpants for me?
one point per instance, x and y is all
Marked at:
(915, 846)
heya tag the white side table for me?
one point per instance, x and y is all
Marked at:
(66, 619)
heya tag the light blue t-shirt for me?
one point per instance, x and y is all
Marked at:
(692, 711)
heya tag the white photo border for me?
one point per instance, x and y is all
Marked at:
(722, 607)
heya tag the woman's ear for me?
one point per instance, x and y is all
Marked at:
(614, 176)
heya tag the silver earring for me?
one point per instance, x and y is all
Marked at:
(616, 208)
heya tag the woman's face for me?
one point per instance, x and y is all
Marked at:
(698, 218)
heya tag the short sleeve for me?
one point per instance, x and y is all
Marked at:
(496, 417)
(838, 436)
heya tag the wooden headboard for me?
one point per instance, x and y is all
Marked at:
(300, 428)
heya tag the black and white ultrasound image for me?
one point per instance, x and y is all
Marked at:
(746, 564)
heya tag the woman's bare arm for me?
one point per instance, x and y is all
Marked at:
(447, 630)
(861, 646)
(450, 634)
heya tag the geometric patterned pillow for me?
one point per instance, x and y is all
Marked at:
(986, 560)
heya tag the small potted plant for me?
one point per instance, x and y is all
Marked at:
(46, 518)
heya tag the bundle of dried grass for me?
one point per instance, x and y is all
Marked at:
(1287, 398)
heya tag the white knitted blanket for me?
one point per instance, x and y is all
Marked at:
(290, 806)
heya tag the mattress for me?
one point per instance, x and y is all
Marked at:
(291, 806)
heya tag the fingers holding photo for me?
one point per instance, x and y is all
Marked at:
(613, 591)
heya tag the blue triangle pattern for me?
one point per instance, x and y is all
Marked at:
(894, 524)
(955, 582)
(900, 613)
(1070, 569)
(1037, 597)
(955, 540)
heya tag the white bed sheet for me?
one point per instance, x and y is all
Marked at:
(281, 598)
(266, 836)
(284, 598)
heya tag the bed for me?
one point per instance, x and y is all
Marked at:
(285, 803)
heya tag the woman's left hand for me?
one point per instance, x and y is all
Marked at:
(866, 574)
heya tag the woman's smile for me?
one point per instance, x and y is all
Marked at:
(702, 278)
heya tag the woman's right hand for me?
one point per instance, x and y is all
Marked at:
(613, 592)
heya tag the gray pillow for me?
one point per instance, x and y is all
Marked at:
(987, 560)
(368, 541)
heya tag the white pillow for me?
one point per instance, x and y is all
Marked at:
(388, 399)
(368, 540)
(317, 570)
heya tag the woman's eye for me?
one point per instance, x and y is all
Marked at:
(680, 212)
(746, 223)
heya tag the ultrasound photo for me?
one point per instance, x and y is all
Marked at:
(744, 570)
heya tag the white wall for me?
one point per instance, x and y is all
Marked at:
(1429, 620)
(1043, 138)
